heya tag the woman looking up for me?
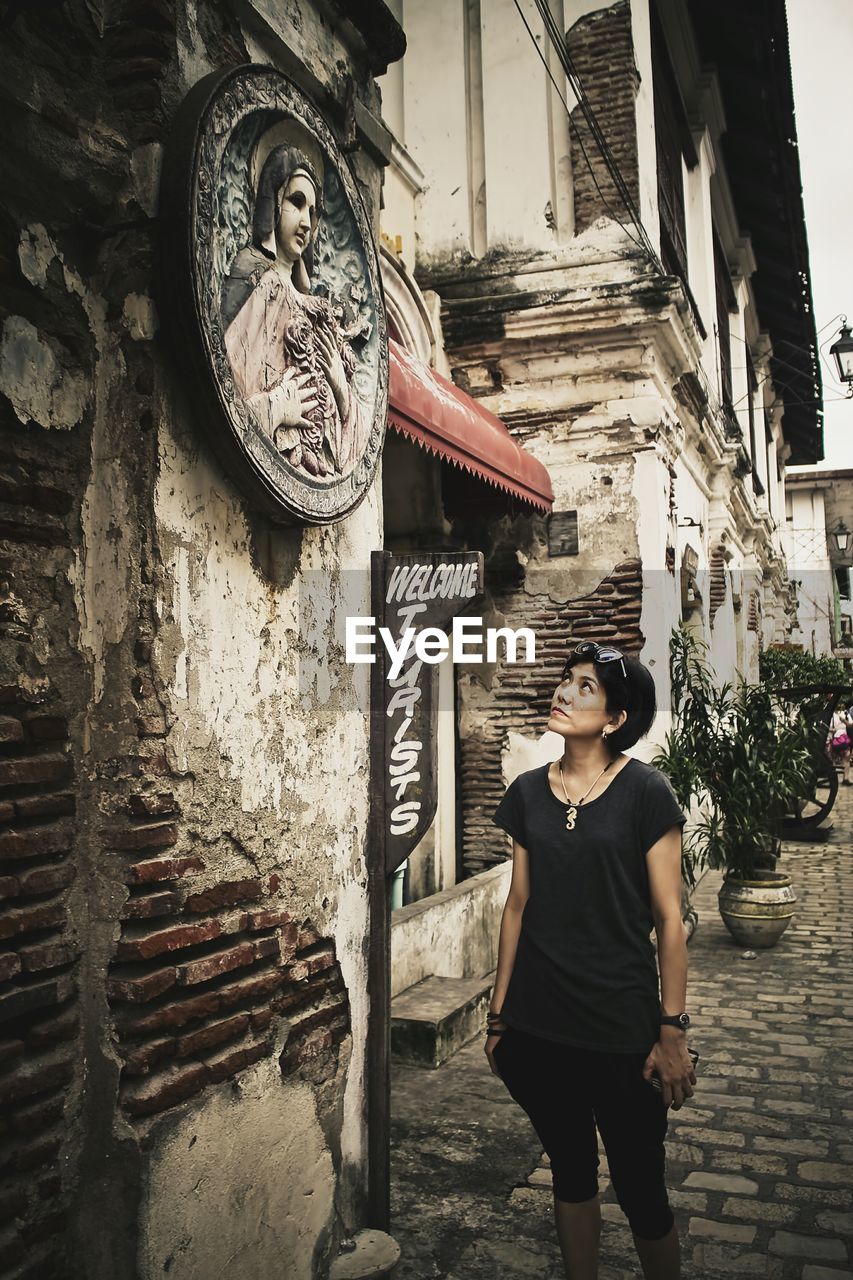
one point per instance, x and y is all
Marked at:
(583, 1023)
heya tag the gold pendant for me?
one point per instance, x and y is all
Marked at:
(571, 817)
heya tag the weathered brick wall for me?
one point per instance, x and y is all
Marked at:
(159, 933)
(520, 696)
(602, 49)
(40, 1051)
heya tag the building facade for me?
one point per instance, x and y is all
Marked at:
(185, 793)
(605, 200)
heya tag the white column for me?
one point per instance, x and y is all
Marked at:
(516, 105)
(436, 118)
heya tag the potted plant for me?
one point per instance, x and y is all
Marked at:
(743, 756)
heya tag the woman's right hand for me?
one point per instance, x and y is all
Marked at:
(292, 399)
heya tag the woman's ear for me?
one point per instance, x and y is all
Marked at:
(618, 720)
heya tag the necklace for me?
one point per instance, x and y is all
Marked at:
(572, 810)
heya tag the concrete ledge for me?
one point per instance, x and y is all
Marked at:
(452, 934)
(436, 1017)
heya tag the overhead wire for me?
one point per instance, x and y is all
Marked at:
(640, 243)
(642, 238)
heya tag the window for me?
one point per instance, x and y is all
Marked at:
(842, 578)
(673, 142)
(752, 387)
(725, 304)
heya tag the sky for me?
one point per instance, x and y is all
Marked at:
(821, 40)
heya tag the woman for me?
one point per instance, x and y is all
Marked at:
(290, 361)
(580, 1023)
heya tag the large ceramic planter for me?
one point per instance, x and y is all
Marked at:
(757, 912)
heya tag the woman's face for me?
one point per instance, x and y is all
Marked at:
(297, 217)
(579, 705)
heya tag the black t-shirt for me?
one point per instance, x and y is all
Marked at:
(585, 971)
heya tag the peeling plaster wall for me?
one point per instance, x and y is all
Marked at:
(183, 749)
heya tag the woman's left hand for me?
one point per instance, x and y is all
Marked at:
(333, 367)
(669, 1057)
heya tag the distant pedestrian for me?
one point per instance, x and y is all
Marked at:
(840, 741)
(582, 1027)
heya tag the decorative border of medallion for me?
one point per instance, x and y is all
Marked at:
(225, 129)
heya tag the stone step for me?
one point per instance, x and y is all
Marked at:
(371, 1255)
(437, 1016)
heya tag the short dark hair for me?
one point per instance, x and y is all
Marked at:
(633, 693)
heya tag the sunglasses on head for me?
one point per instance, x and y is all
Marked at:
(601, 653)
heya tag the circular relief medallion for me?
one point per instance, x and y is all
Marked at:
(271, 280)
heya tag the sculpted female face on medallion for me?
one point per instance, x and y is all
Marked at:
(290, 355)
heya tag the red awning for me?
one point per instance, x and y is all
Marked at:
(438, 416)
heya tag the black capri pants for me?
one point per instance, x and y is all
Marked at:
(567, 1092)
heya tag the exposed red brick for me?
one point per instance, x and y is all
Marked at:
(171, 1015)
(209, 967)
(154, 904)
(267, 919)
(249, 987)
(162, 869)
(152, 804)
(11, 730)
(10, 886)
(63, 1026)
(35, 842)
(150, 726)
(166, 1090)
(214, 1033)
(319, 1018)
(175, 939)
(225, 895)
(45, 806)
(38, 1150)
(10, 1049)
(307, 937)
(268, 947)
(143, 687)
(274, 883)
(48, 955)
(307, 966)
(227, 1063)
(155, 836)
(142, 989)
(262, 1019)
(139, 1060)
(34, 1117)
(10, 964)
(46, 728)
(19, 773)
(24, 1000)
(45, 916)
(37, 1078)
(48, 879)
(287, 938)
(310, 992)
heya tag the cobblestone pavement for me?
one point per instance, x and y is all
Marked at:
(760, 1162)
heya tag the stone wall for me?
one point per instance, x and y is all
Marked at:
(602, 49)
(183, 783)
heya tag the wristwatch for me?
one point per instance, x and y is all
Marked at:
(680, 1020)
